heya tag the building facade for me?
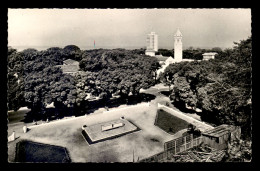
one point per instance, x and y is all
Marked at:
(220, 136)
(210, 55)
(151, 44)
(69, 66)
(178, 46)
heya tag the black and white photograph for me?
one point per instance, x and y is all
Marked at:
(140, 85)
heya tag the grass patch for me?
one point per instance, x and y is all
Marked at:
(28, 151)
(17, 116)
(169, 123)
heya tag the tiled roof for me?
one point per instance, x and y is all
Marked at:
(70, 62)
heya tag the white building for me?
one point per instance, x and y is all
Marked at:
(210, 55)
(178, 46)
(177, 53)
(151, 44)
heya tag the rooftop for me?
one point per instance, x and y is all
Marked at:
(69, 68)
(70, 62)
(178, 33)
(219, 130)
(210, 53)
(161, 58)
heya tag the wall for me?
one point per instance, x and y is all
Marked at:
(150, 53)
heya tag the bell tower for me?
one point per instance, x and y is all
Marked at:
(178, 46)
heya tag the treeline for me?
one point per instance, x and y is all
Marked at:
(190, 53)
(34, 80)
(222, 87)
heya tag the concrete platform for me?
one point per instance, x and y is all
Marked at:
(94, 133)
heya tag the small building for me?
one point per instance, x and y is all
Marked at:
(69, 66)
(188, 60)
(220, 136)
(70, 62)
(161, 59)
(210, 55)
(150, 52)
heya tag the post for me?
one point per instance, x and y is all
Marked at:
(175, 146)
(133, 156)
(185, 143)
(191, 137)
(166, 150)
(24, 129)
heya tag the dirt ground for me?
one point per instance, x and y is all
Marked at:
(144, 143)
(68, 134)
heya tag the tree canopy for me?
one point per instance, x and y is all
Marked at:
(104, 74)
(220, 87)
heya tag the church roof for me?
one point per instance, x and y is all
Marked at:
(178, 33)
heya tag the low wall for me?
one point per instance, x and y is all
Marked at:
(138, 105)
(73, 117)
(56, 121)
(199, 124)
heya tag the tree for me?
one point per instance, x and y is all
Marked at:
(15, 88)
(119, 71)
(220, 87)
(216, 49)
(154, 67)
(165, 52)
(72, 52)
(45, 83)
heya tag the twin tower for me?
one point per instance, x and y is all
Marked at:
(152, 45)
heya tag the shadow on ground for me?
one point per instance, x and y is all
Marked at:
(29, 151)
(166, 93)
(131, 100)
(87, 108)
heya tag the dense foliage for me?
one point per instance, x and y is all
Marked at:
(110, 73)
(220, 87)
(165, 52)
(15, 82)
(189, 53)
(45, 83)
(104, 74)
(119, 71)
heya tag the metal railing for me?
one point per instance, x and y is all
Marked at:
(174, 147)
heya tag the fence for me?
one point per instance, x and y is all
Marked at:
(173, 147)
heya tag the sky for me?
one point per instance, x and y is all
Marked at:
(127, 27)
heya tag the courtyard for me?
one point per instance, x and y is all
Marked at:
(146, 142)
(68, 134)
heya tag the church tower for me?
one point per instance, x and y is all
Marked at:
(178, 46)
